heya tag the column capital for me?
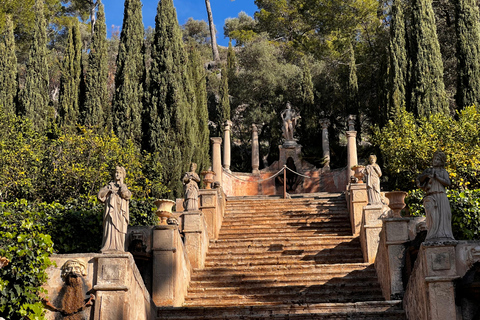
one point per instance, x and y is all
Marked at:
(254, 127)
(228, 125)
(351, 122)
(351, 134)
(216, 140)
(325, 123)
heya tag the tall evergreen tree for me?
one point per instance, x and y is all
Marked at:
(8, 69)
(231, 63)
(352, 86)
(127, 104)
(427, 94)
(398, 61)
(224, 105)
(307, 84)
(468, 52)
(198, 78)
(33, 96)
(96, 94)
(170, 131)
(69, 107)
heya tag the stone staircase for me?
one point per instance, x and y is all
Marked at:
(285, 259)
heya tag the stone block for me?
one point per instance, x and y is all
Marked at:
(192, 221)
(441, 296)
(110, 306)
(396, 230)
(164, 237)
(440, 261)
(111, 272)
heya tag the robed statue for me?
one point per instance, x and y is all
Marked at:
(289, 118)
(190, 182)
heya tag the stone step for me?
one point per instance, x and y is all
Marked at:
(303, 254)
(281, 247)
(308, 260)
(284, 241)
(310, 220)
(280, 234)
(386, 310)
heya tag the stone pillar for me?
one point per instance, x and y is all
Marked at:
(396, 235)
(211, 209)
(255, 150)
(357, 200)
(111, 287)
(325, 123)
(227, 146)
(196, 237)
(370, 232)
(351, 147)
(217, 159)
(171, 273)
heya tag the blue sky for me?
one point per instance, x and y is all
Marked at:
(221, 10)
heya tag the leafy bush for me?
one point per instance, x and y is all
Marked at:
(465, 207)
(407, 146)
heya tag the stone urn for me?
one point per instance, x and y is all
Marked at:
(396, 201)
(359, 172)
(3, 262)
(208, 178)
(164, 209)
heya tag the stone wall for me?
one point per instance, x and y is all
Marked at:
(415, 300)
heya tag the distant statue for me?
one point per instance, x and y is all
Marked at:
(190, 186)
(372, 176)
(116, 197)
(289, 118)
(437, 207)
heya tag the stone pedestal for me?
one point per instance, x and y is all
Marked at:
(196, 237)
(357, 200)
(210, 205)
(370, 231)
(351, 152)
(171, 271)
(111, 288)
(325, 123)
(255, 150)
(396, 235)
(293, 151)
(217, 159)
(226, 145)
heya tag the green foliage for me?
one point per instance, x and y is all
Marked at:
(127, 103)
(24, 242)
(196, 30)
(231, 63)
(224, 106)
(241, 29)
(468, 52)
(94, 111)
(33, 96)
(8, 69)
(428, 94)
(465, 206)
(407, 145)
(69, 107)
(172, 128)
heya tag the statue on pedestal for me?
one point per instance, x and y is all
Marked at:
(190, 186)
(116, 197)
(372, 175)
(437, 207)
(289, 118)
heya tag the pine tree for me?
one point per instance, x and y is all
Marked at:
(428, 94)
(127, 103)
(170, 131)
(468, 52)
(398, 61)
(8, 69)
(33, 96)
(69, 108)
(198, 78)
(96, 94)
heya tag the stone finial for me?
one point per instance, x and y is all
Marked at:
(351, 122)
(325, 123)
(73, 267)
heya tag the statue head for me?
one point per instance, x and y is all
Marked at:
(193, 167)
(289, 106)
(73, 268)
(372, 159)
(439, 159)
(120, 174)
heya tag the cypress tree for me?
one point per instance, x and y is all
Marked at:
(224, 105)
(352, 86)
(198, 78)
(231, 64)
(468, 52)
(8, 69)
(170, 131)
(427, 88)
(69, 108)
(398, 61)
(127, 103)
(96, 94)
(307, 84)
(33, 96)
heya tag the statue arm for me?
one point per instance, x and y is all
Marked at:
(124, 192)
(378, 170)
(102, 194)
(443, 178)
(195, 177)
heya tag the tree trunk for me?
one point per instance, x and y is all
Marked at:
(216, 56)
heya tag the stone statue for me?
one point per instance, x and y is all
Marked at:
(116, 197)
(289, 118)
(372, 176)
(190, 187)
(437, 208)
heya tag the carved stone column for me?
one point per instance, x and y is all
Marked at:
(357, 200)
(226, 145)
(255, 150)
(325, 123)
(196, 237)
(217, 159)
(351, 147)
